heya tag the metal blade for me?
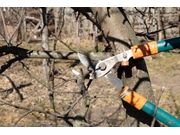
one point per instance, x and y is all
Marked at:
(75, 72)
(116, 82)
(85, 60)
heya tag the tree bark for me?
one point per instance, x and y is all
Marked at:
(120, 35)
(159, 24)
(45, 45)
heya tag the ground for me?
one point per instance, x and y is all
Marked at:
(105, 108)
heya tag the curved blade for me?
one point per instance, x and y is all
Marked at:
(87, 61)
(75, 72)
(116, 82)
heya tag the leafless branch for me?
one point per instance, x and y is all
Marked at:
(14, 87)
(5, 28)
(64, 44)
(24, 53)
(29, 109)
(8, 64)
(22, 117)
(60, 92)
(86, 100)
(32, 18)
(73, 105)
(155, 111)
(17, 27)
(142, 13)
(34, 76)
(9, 37)
(35, 29)
(59, 85)
(154, 32)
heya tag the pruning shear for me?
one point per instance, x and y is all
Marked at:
(102, 68)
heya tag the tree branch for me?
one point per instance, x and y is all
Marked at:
(14, 87)
(17, 27)
(9, 63)
(23, 117)
(29, 109)
(80, 117)
(159, 97)
(24, 53)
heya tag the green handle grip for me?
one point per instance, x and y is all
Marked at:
(141, 103)
(169, 44)
(155, 47)
(161, 115)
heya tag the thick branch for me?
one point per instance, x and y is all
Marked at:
(154, 32)
(24, 53)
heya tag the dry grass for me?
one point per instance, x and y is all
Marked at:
(165, 72)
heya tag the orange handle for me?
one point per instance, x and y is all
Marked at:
(132, 98)
(143, 50)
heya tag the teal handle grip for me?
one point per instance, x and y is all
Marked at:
(141, 103)
(161, 115)
(168, 44)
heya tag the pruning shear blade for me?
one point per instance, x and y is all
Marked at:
(116, 82)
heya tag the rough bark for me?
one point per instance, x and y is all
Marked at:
(119, 33)
(45, 45)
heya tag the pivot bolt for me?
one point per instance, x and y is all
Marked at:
(102, 66)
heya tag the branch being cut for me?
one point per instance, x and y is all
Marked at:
(24, 53)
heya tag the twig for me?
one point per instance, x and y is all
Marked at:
(59, 85)
(32, 18)
(23, 117)
(142, 13)
(60, 92)
(155, 111)
(30, 109)
(73, 105)
(14, 87)
(5, 28)
(35, 29)
(51, 82)
(19, 24)
(86, 101)
(51, 98)
(154, 32)
(34, 76)
(9, 63)
(64, 43)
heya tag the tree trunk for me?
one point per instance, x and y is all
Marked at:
(45, 45)
(120, 34)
